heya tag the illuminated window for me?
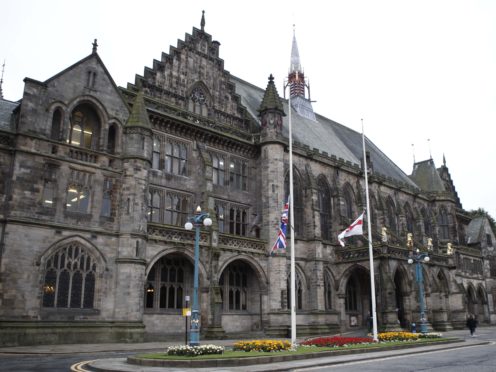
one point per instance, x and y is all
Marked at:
(84, 125)
(156, 154)
(220, 213)
(69, 279)
(77, 199)
(218, 169)
(238, 175)
(48, 194)
(168, 281)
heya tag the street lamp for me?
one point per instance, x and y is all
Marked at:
(418, 258)
(200, 218)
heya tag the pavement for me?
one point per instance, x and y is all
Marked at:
(119, 364)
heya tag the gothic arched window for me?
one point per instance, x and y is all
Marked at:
(234, 286)
(84, 127)
(348, 204)
(298, 207)
(56, 124)
(328, 291)
(351, 300)
(426, 216)
(324, 200)
(168, 281)
(410, 223)
(391, 216)
(69, 279)
(298, 291)
(111, 138)
(443, 222)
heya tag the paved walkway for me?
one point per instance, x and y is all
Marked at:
(119, 364)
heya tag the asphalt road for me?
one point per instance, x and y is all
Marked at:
(50, 363)
(481, 358)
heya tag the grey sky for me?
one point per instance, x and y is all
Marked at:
(413, 70)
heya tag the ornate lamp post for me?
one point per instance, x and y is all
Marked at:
(200, 218)
(418, 258)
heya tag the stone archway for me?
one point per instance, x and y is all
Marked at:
(357, 299)
(401, 297)
(169, 280)
(471, 300)
(240, 298)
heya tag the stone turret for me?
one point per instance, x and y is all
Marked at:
(271, 112)
(133, 212)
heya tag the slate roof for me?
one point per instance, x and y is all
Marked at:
(6, 109)
(324, 134)
(427, 177)
(475, 230)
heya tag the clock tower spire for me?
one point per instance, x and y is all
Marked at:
(298, 85)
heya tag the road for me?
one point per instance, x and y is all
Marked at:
(480, 358)
(469, 358)
(50, 363)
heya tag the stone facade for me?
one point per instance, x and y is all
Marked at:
(98, 181)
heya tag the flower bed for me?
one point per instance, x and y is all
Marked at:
(397, 336)
(184, 350)
(262, 345)
(336, 341)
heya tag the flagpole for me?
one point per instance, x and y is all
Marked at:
(292, 232)
(371, 251)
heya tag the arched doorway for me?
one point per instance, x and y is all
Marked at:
(357, 298)
(481, 304)
(471, 300)
(401, 294)
(167, 284)
(241, 298)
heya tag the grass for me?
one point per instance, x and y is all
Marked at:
(229, 354)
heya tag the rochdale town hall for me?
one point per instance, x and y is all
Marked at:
(97, 182)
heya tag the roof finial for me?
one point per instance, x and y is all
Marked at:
(1, 80)
(95, 46)
(429, 144)
(202, 23)
(444, 160)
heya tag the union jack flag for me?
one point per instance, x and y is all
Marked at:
(280, 244)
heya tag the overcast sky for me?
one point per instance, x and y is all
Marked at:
(422, 74)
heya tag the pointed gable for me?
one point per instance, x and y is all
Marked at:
(89, 76)
(192, 77)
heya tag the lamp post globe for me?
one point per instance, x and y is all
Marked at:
(420, 257)
(200, 218)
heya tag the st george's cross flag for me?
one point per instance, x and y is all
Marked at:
(356, 228)
(280, 244)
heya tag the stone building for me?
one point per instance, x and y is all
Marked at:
(97, 182)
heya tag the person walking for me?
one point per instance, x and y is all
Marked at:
(471, 324)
